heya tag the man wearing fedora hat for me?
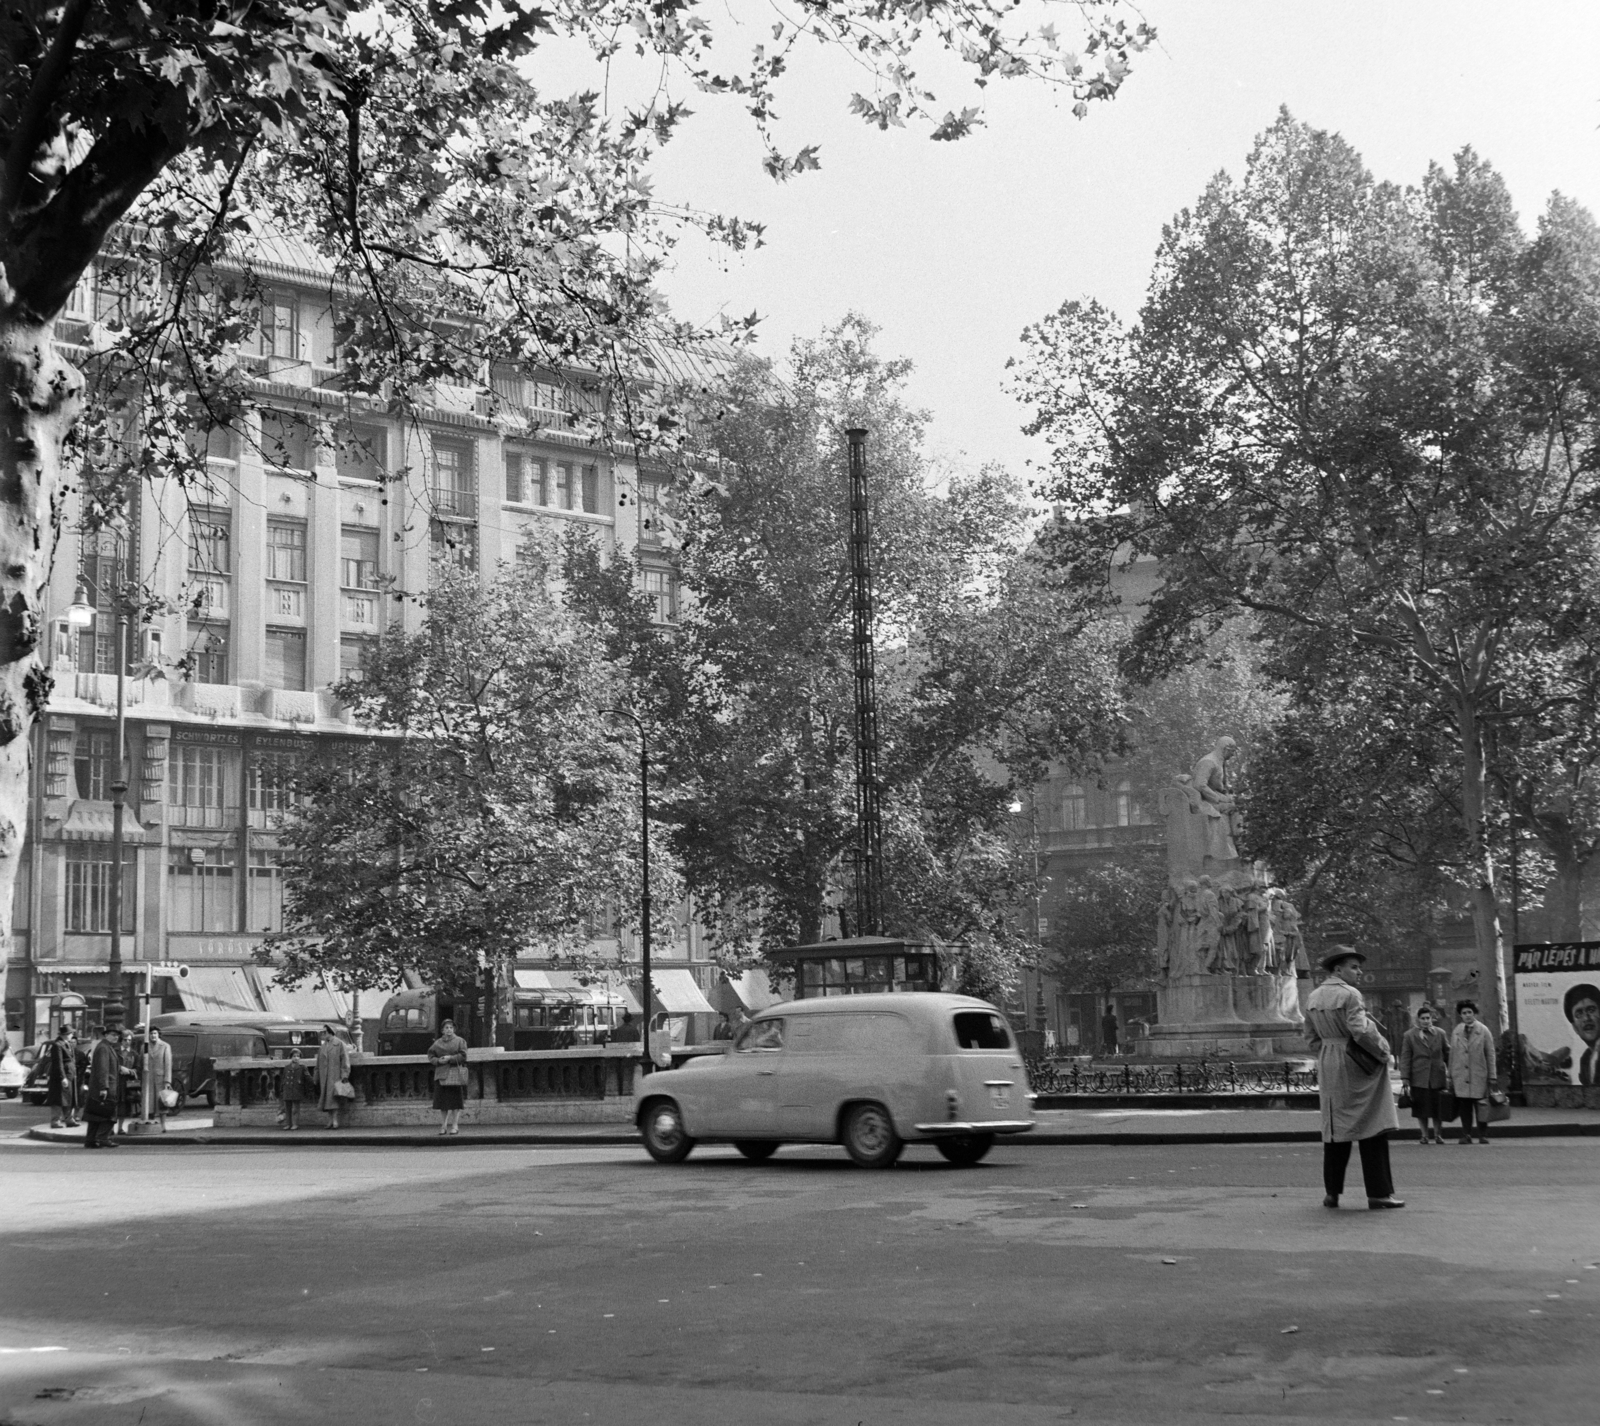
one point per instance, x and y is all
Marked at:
(1352, 1082)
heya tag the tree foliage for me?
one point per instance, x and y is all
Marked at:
(1105, 927)
(1366, 414)
(981, 678)
(497, 810)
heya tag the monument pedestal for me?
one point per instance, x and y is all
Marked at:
(1236, 1017)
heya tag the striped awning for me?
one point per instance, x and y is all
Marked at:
(91, 822)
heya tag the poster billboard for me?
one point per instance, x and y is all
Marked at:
(1558, 1011)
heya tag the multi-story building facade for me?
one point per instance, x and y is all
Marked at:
(272, 576)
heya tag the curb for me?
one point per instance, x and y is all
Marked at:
(610, 1138)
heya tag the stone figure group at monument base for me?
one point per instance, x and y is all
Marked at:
(1228, 943)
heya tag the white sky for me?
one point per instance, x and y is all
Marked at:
(953, 248)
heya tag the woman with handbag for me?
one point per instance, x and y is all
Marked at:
(1471, 1067)
(1352, 1082)
(448, 1055)
(1424, 1061)
(333, 1075)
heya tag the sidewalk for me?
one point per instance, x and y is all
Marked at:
(1110, 1125)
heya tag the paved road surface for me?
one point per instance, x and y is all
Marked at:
(458, 1285)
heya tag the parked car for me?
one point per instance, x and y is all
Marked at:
(13, 1075)
(871, 1072)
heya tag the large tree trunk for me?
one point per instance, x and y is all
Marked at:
(38, 403)
(1485, 908)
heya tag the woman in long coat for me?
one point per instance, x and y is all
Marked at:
(1471, 1067)
(1424, 1062)
(1357, 1106)
(333, 1065)
(448, 1056)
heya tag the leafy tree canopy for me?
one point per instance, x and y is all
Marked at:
(1368, 415)
(497, 811)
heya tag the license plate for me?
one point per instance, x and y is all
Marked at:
(999, 1096)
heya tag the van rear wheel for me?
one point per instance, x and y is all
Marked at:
(869, 1136)
(756, 1150)
(965, 1150)
(665, 1138)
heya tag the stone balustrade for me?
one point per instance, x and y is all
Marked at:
(588, 1084)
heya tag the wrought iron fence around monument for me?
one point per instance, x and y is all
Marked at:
(1206, 1077)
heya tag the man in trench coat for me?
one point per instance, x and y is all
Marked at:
(105, 1090)
(61, 1083)
(1357, 1105)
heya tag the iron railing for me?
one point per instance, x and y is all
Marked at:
(1204, 1077)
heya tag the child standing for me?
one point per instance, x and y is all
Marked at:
(293, 1090)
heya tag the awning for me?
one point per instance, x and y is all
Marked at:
(310, 1000)
(220, 988)
(749, 991)
(567, 987)
(676, 992)
(91, 822)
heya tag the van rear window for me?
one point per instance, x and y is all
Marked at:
(981, 1030)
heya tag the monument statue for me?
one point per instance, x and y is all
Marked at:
(1228, 942)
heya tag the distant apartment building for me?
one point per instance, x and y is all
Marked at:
(276, 577)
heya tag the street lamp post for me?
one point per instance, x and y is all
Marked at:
(81, 615)
(644, 865)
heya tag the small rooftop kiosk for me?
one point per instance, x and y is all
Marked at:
(862, 965)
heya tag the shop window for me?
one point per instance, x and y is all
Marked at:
(89, 887)
(200, 782)
(202, 891)
(265, 909)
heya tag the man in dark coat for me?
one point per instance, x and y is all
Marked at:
(61, 1083)
(1108, 1030)
(105, 1090)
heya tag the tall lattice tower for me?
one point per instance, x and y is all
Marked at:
(869, 807)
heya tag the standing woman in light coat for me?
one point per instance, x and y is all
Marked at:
(1471, 1067)
(1357, 1105)
(333, 1068)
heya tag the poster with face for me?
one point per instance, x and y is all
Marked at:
(1558, 1011)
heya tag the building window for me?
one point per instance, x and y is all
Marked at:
(209, 542)
(358, 558)
(272, 786)
(659, 589)
(89, 887)
(591, 489)
(526, 479)
(93, 764)
(651, 515)
(1126, 812)
(280, 326)
(286, 550)
(265, 909)
(1074, 807)
(201, 890)
(200, 782)
(208, 656)
(564, 487)
(285, 659)
(454, 542)
(453, 492)
(362, 453)
(354, 654)
(102, 575)
(287, 440)
(58, 763)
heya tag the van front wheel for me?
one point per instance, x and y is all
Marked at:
(869, 1136)
(665, 1139)
(965, 1149)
